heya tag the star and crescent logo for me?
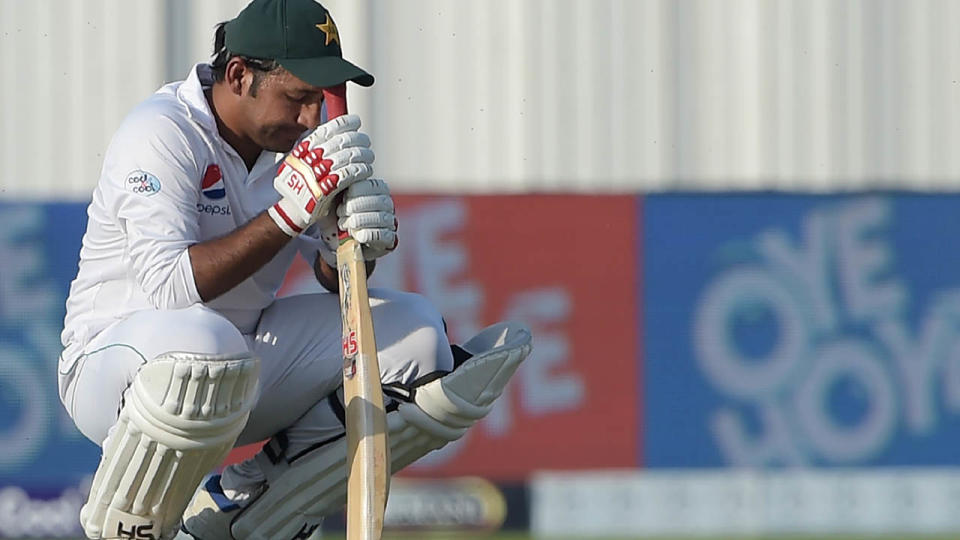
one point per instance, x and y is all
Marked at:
(329, 29)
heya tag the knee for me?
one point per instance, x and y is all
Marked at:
(201, 330)
(430, 350)
(413, 311)
(419, 308)
(411, 337)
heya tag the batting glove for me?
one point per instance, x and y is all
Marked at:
(367, 213)
(328, 161)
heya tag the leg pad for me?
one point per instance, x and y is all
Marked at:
(181, 417)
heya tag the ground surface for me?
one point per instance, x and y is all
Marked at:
(505, 536)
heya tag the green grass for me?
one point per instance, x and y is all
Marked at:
(523, 536)
(505, 536)
(519, 536)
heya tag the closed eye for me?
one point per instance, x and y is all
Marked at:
(305, 98)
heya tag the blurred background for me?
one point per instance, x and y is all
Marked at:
(731, 225)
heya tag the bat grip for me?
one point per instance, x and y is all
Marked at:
(336, 100)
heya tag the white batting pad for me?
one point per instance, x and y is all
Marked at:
(445, 408)
(182, 415)
(314, 485)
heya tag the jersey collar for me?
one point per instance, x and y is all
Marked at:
(191, 94)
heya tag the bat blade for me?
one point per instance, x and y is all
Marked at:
(368, 460)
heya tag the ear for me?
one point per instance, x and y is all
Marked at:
(234, 75)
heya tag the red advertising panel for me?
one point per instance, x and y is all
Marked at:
(566, 266)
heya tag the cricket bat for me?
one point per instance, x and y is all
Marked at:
(368, 460)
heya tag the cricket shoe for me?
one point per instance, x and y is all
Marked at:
(211, 513)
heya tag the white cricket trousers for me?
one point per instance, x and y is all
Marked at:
(299, 345)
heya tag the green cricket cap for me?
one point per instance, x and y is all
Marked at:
(300, 35)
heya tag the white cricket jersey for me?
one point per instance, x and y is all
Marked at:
(170, 181)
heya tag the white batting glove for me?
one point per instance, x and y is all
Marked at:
(318, 168)
(367, 214)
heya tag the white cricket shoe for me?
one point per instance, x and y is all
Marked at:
(210, 514)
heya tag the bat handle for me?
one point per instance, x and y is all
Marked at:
(336, 99)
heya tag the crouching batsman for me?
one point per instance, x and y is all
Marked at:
(176, 348)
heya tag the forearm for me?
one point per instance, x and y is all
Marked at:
(327, 275)
(223, 263)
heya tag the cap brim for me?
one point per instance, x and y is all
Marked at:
(326, 71)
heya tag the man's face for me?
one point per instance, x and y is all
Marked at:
(280, 108)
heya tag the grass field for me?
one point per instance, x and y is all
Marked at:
(528, 537)
(521, 536)
(524, 536)
(517, 536)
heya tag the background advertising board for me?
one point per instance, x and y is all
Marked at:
(479, 259)
(801, 330)
(44, 460)
(566, 266)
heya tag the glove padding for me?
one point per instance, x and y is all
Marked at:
(367, 213)
(328, 161)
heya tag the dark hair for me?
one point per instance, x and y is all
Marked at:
(221, 56)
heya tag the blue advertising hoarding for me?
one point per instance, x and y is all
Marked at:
(790, 330)
(44, 460)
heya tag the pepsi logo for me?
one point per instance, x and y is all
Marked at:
(212, 186)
